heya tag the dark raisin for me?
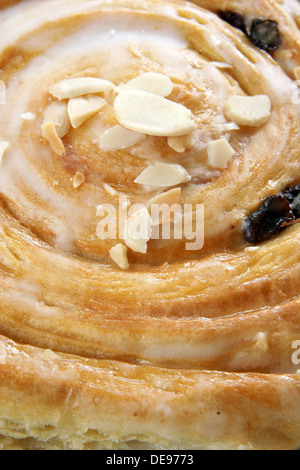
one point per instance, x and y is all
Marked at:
(292, 195)
(273, 216)
(265, 35)
(233, 18)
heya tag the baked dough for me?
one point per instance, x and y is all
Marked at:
(181, 349)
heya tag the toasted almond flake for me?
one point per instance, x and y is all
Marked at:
(181, 143)
(156, 83)
(119, 255)
(151, 114)
(109, 189)
(78, 180)
(252, 248)
(82, 108)
(138, 231)
(74, 87)
(226, 127)
(261, 342)
(221, 65)
(248, 110)
(50, 134)
(117, 138)
(219, 153)
(2, 92)
(28, 116)
(163, 175)
(166, 202)
(3, 147)
(176, 145)
(169, 197)
(57, 113)
(297, 73)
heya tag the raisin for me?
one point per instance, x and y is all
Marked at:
(233, 18)
(272, 217)
(292, 195)
(265, 35)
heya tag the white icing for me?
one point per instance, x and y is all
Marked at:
(109, 37)
(114, 37)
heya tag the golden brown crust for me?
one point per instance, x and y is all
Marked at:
(185, 349)
(8, 3)
(142, 406)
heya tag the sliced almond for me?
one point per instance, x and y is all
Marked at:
(117, 138)
(156, 83)
(78, 180)
(181, 143)
(74, 87)
(3, 147)
(163, 175)
(176, 145)
(119, 255)
(261, 342)
(297, 73)
(82, 108)
(50, 134)
(221, 65)
(151, 114)
(57, 112)
(219, 153)
(138, 231)
(169, 197)
(2, 92)
(226, 127)
(160, 207)
(248, 110)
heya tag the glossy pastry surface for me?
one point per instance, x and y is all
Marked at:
(113, 343)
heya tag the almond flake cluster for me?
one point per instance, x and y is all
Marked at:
(142, 108)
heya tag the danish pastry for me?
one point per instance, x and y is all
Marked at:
(123, 327)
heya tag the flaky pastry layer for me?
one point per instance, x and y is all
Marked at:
(185, 349)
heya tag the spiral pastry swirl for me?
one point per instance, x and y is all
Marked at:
(124, 343)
